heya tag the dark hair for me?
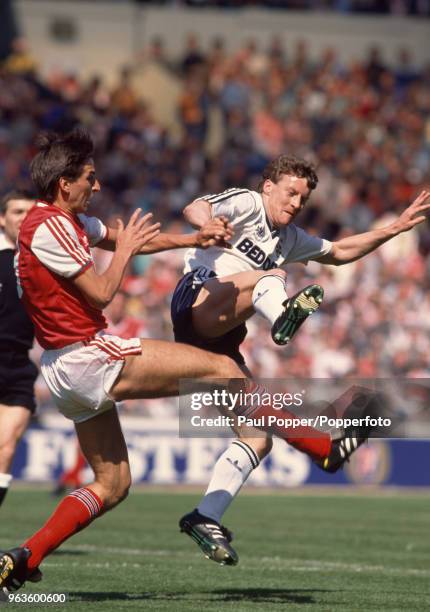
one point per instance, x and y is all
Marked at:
(59, 156)
(16, 194)
(292, 166)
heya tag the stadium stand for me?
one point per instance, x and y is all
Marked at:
(364, 124)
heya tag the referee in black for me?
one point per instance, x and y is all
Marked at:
(17, 372)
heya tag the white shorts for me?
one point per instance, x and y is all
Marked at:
(81, 375)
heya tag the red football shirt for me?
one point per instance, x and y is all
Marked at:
(53, 248)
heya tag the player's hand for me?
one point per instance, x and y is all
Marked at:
(136, 233)
(216, 232)
(414, 214)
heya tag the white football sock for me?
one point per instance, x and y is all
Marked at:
(5, 480)
(229, 474)
(268, 296)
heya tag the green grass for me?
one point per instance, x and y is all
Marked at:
(298, 552)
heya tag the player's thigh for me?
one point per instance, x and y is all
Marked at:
(159, 369)
(224, 303)
(14, 421)
(102, 442)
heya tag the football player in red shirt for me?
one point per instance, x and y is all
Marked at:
(87, 370)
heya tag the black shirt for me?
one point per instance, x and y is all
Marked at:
(16, 328)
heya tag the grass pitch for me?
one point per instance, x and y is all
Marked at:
(297, 552)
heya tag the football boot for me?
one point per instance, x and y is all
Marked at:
(212, 538)
(297, 309)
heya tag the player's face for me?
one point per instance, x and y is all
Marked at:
(14, 216)
(285, 199)
(81, 190)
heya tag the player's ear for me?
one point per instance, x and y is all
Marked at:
(64, 184)
(267, 186)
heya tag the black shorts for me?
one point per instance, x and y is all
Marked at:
(185, 295)
(17, 377)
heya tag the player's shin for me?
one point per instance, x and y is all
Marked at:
(229, 475)
(269, 295)
(72, 514)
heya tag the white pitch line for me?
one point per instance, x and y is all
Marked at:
(154, 552)
(272, 563)
(317, 565)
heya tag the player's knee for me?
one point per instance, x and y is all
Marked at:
(121, 493)
(113, 497)
(277, 272)
(124, 484)
(225, 367)
(115, 490)
(122, 488)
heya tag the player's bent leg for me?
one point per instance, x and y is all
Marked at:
(224, 303)
(230, 473)
(159, 369)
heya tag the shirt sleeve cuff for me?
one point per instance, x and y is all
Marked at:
(82, 270)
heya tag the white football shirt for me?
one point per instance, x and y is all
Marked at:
(256, 245)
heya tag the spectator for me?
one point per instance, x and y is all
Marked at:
(363, 123)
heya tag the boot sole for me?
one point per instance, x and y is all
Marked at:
(299, 308)
(214, 552)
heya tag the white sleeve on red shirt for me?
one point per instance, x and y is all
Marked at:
(57, 247)
(94, 228)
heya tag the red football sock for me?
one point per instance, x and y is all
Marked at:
(309, 440)
(73, 513)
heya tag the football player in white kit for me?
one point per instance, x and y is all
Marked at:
(225, 285)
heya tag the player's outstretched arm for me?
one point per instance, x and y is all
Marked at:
(215, 232)
(99, 289)
(352, 248)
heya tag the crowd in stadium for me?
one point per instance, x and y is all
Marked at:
(365, 125)
(399, 7)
